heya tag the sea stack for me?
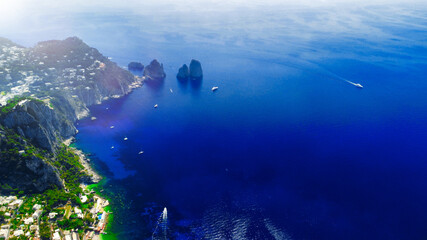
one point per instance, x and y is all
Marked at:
(183, 73)
(195, 70)
(154, 71)
(135, 66)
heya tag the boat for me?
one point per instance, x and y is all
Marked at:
(355, 84)
(170, 89)
(112, 147)
(125, 138)
(112, 127)
(155, 106)
(214, 89)
(141, 152)
(93, 118)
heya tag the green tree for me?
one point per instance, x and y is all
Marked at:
(44, 231)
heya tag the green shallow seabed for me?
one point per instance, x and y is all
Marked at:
(97, 187)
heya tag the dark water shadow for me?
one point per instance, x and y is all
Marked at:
(196, 85)
(182, 83)
(155, 84)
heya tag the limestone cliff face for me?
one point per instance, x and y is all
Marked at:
(68, 76)
(23, 171)
(76, 76)
(87, 76)
(36, 121)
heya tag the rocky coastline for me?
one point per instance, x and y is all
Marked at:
(44, 90)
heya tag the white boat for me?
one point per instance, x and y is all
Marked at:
(214, 89)
(93, 118)
(125, 138)
(155, 106)
(170, 89)
(112, 127)
(141, 152)
(355, 84)
(112, 147)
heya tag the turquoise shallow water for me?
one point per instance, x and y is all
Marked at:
(286, 148)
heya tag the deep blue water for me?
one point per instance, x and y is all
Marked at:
(286, 148)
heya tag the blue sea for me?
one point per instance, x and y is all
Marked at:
(287, 148)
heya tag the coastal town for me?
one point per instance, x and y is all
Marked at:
(48, 189)
(27, 217)
(43, 70)
(45, 185)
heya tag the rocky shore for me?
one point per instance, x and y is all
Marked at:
(44, 90)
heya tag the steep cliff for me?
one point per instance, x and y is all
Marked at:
(44, 90)
(44, 126)
(23, 166)
(84, 73)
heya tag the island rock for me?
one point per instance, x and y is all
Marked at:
(135, 66)
(154, 71)
(183, 73)
(195, 69)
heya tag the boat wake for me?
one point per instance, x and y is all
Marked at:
(313, 67)
(161, 230)
(355, 84)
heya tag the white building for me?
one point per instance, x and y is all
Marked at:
(28, 221)
(18, 233)
(56, 236)
(37, 207)
(52, 215)
(37, 214)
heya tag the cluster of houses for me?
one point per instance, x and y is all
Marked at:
(16, 224)
(22, 71)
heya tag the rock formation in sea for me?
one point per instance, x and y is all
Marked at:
(195, 70)
(135, 66)
(183, 73)
(154, 71)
